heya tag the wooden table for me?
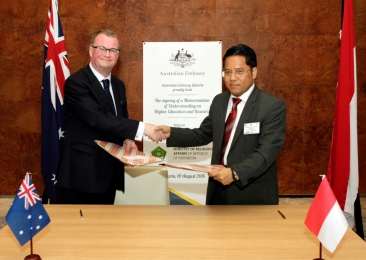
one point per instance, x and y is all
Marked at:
(177, 232)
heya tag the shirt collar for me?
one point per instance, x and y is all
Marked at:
(244, 97)
(99, 76)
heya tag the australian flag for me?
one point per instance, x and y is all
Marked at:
(27, 216)
(56, 71)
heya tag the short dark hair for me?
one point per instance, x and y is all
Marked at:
(242, 50)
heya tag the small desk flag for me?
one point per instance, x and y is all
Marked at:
(27, 216)
(325, 218)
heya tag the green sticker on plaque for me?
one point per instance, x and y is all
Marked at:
(159, 152)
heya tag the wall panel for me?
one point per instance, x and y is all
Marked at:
(297, 43)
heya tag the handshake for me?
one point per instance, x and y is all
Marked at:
(157, 133)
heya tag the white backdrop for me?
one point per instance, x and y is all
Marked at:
(180, 80)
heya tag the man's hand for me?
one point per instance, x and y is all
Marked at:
(223, 175)
(154, 135)
(129, 145)
(164, 129)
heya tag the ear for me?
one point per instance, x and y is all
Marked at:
(254, 72)
(90, 51)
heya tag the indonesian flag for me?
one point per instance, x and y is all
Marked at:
(325, 218)
(343, 163)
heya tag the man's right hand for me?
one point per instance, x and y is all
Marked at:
(154, 135)
(164, 129)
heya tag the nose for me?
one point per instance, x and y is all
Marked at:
(233, 76)
(107, 53)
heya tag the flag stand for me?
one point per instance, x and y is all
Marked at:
(32, 256)
(320, 252)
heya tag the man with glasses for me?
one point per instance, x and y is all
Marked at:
(247, 127)
(96, 109)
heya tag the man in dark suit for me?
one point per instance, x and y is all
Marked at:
(96, 109)
(252, 144)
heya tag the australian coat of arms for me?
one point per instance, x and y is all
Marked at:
(182, 58)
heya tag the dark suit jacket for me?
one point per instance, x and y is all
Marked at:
(253, 156)
(83, 165)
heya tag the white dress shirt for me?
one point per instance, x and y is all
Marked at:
(240, 109)
(100, 77)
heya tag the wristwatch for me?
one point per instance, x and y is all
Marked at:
(235, 176)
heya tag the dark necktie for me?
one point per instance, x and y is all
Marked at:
(108, 94)
(229, 127)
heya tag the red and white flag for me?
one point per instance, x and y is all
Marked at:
(325, 218)
(343, 163)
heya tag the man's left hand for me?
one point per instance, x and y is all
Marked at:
(223, 175)
(130, 145)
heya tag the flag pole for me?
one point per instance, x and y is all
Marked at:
(320, 252)
(358, 218)
(32, 256)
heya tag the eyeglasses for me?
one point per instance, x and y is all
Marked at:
(239, 72)
(104, 49)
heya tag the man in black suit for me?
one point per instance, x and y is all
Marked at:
(256, 138)
(96, 109)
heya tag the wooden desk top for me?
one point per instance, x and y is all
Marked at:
(177, 232)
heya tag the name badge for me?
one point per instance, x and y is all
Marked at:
(251, 128)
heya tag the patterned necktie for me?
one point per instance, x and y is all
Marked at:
(229, 127)
(108, 94)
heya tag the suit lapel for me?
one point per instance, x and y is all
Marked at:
(116, 96)
(221, 114)
(248, 108)
(119, 94)
(223, 108)
(97, 88)
(100, 94)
